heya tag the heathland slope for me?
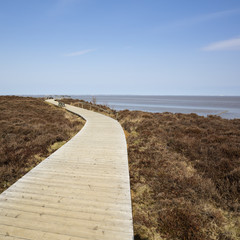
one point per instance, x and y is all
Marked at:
(30, 130)
(185, 175)
(184, 169)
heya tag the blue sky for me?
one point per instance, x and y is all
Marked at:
(160, 47)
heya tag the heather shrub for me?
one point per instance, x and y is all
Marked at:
(29, 126)
(185, 176)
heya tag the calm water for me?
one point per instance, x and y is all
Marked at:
(226, 107)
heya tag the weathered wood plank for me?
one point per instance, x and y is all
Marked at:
(81, 191)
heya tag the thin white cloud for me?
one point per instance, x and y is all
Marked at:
(191, 21)
(230, 44)
(80, 52)
(215, 15)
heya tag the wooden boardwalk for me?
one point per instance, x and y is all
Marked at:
(80, 192)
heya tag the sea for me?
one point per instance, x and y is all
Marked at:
(225, 106)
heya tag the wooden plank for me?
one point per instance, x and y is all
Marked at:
(82, 191)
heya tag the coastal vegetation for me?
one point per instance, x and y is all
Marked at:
(185, 175)
(184, 168)
(30, 130)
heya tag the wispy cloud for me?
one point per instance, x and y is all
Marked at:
(230, 44)
(79, 52)
(191, 21)
(215, 15)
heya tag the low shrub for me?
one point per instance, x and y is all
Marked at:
(184, 172)
(29, 126)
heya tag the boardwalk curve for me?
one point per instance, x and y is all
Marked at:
(80, 192)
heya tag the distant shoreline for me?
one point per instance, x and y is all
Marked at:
(227, 107)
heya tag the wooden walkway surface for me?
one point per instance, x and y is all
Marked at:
(80, 192)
